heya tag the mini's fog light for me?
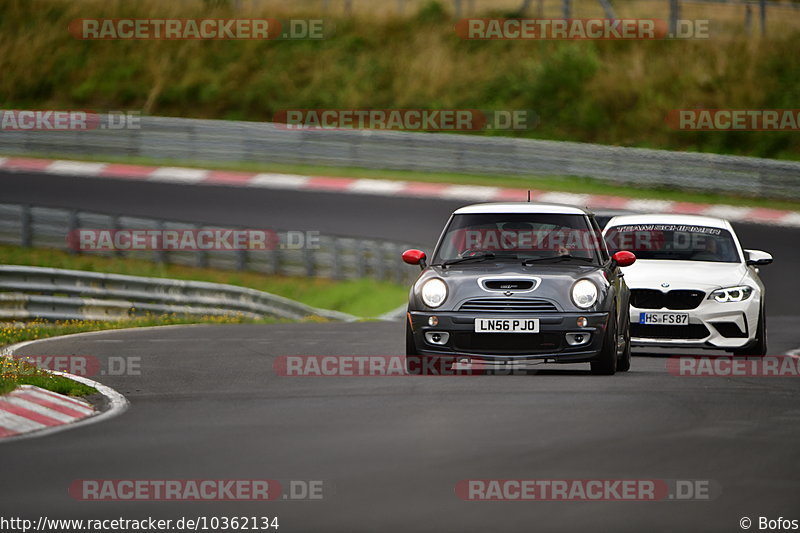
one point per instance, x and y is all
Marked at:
(578, 339)
(433, 320)
(582, 321)
(437, 337)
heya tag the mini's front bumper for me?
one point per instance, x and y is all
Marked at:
(712, 325)
(550, 343)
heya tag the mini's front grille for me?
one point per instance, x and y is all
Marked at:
(679, 299)
(729, 330)
(508, 305)
(652, 331)
(506, 343)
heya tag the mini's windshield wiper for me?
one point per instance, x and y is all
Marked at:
(476, 257)
(561, 257)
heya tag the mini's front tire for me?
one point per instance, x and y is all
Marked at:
(624, 362)
(606, 362)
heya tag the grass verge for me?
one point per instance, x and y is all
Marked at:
(14, 372)
(571, 184)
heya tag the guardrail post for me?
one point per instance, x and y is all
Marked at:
(380, 266)
(361, 259)
(399, 271)
(25, 227)
(160, 256)
(308, 262)
(336, 260)
(275, 257)
(201, 256)
(674, 15)
(241, 260)
(117, 226)
(748, 19)
(72, 239)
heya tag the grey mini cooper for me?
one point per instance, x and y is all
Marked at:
(515, 282)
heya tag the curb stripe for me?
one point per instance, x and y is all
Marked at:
(10, 407)
(179, 175)
(72, 413)
(18, 424)
(78, 168)
(409, 189)
(17, 400)
(30, 409)
(60, 397)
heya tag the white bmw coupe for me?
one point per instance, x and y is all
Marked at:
(692, 284)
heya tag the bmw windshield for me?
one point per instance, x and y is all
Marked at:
(674, 241)
(518, 237)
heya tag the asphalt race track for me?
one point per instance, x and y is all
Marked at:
(390, 450)
(413, 220)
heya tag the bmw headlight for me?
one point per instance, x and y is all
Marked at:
(584, 293)
(731, 294)
(434, 292)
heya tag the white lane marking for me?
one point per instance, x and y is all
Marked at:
(657, 206)
(75, 168)
(565, 198)
(368, 186)
(39, 409)
(179, 175)
(792, 219)
(728, 212)
(469, 192)
(278, 181)
(18, 424)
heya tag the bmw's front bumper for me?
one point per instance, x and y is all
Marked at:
(550, 343)
(712, 325)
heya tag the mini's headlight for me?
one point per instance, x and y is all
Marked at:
(731, 294)
(434, 292)
(584, 293)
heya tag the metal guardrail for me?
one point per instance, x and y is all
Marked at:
(335, 257)
(56, 294)
(218, 140)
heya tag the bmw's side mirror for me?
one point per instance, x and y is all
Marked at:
(757, 257)
(624, 258)
(415, 257)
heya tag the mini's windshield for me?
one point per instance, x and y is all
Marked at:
(674, 241)
(493, 237)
